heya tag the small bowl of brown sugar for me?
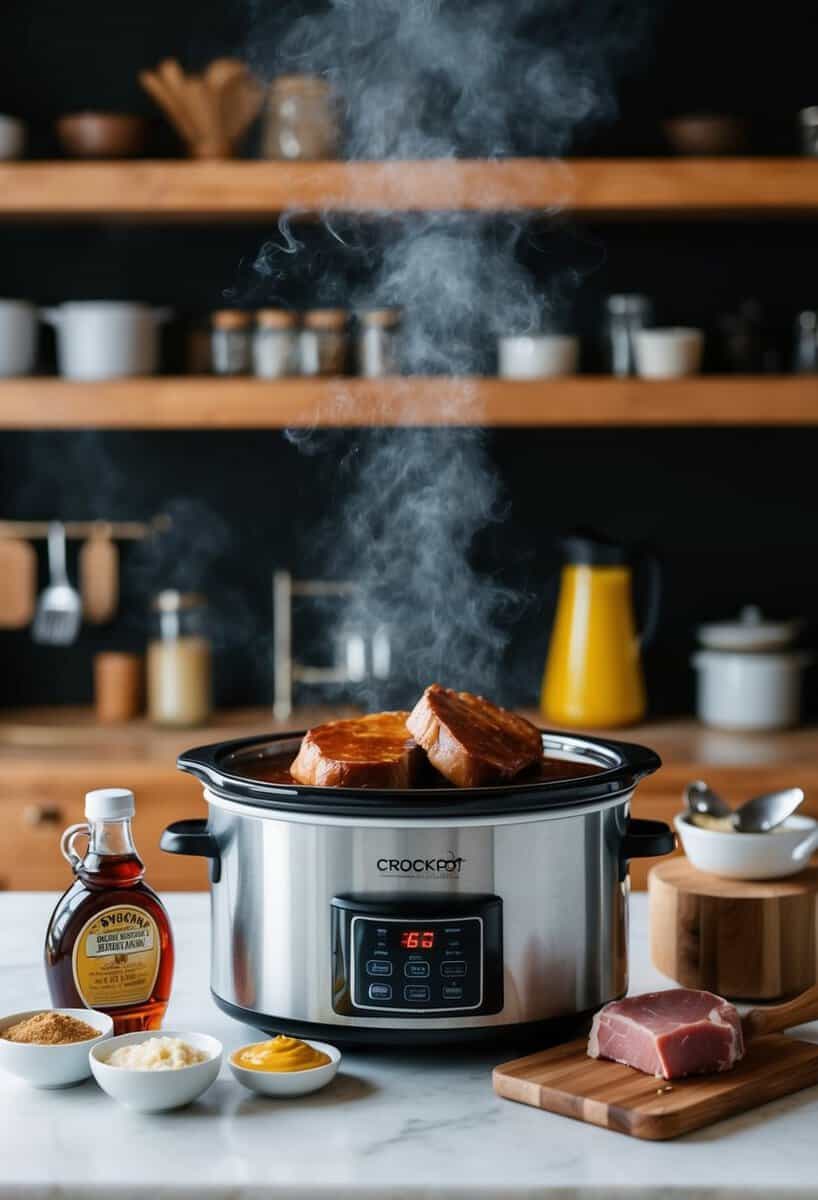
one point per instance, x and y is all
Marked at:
(48, 1048)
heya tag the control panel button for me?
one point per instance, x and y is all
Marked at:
(452, 991)
(375, 967)
(380, 991)
(416, 970)
(416, 991)
(454, 967)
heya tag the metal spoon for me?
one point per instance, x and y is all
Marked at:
(763, 813)
(703, 802)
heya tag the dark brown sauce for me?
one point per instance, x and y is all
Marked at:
(275, 768)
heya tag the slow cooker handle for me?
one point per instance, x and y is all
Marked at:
(646, 839)
(193, 837)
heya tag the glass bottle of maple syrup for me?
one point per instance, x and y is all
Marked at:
(109, 944)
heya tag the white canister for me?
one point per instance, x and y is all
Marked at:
(537, 356)
(668, 353)
(18, 337)
(104, 339)
(749, 691)
(12, 137)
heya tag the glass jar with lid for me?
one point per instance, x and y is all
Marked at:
(180, 683)
(230, 341)
(324, 342)
(275, 343)
(378, 342)
(302, 119)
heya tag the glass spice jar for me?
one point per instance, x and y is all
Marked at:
(378, 342)
(230, 342)
(275, 344)
(301, 121)
(324, 342)
(180, 684)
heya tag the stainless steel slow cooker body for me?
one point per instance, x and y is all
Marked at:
(322, 897)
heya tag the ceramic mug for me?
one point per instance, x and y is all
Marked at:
(12, 137)
(105, 339)
(668, 353)
(537, 356)
(18, 337)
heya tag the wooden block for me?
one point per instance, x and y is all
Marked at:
(748, 940)
(566, 1081)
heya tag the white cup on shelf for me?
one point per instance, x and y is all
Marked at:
(668, 353)
(537, 355)
(18, 337)
(106, 339)
(12, 137)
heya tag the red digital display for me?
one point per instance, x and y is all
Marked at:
(417, 939)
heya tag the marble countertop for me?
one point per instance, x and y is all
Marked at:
(399, 1125)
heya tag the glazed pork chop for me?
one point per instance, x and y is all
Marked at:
(368, 752)
(469, 740)
(678, 1032)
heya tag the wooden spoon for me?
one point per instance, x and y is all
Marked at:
(18, 583)
(99, 575)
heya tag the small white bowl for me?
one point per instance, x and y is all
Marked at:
(668, 353)
(52, 1066)
(156, 1091)
(537, 356)
(289, 1083)
(784, 851)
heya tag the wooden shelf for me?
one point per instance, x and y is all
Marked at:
(191, 402)
(170, 189)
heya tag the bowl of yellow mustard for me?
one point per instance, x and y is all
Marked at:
(285, 1066)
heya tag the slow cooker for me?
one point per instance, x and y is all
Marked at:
(431, 915)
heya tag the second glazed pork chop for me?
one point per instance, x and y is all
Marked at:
(470, 741)
(368, 752)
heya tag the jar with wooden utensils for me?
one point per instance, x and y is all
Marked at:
(275, 344)
(179, 660)
(210, 112)
(118, 686)
(302, 119)
(324, 342)
(231, 332)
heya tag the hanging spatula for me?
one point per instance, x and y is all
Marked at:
(59, 608)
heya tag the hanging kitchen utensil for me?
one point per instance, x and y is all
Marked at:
(593, 675)
(18, 583)
(59, 609)
(99, 575)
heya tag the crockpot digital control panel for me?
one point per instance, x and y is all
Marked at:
(417, 956)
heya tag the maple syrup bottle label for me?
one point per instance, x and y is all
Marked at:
(116, 957)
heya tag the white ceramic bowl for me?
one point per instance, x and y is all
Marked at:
(289, 1083)
(774, 855)
(537, 356)
(52, 1066)
(12, 138)
(156, 1091)
(668, 353)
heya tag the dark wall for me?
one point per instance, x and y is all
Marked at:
(733, 512)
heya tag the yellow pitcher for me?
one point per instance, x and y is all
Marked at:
(593, 674)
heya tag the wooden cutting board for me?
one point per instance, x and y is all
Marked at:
(565, 1080)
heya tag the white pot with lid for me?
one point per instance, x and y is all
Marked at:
(749, 676)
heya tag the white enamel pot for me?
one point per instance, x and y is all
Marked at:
(749, 691)
(104, 339)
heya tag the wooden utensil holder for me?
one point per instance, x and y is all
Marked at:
(744, 940)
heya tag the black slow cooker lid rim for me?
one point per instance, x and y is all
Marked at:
(635, 762)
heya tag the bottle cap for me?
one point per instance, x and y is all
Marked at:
(109, 804)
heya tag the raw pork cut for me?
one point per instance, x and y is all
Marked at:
(674, 1033)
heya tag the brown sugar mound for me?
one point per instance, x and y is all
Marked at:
(50, 1029)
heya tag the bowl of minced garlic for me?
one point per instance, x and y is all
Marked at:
(49, 1048)
(153, 1072)
(285, 1066)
